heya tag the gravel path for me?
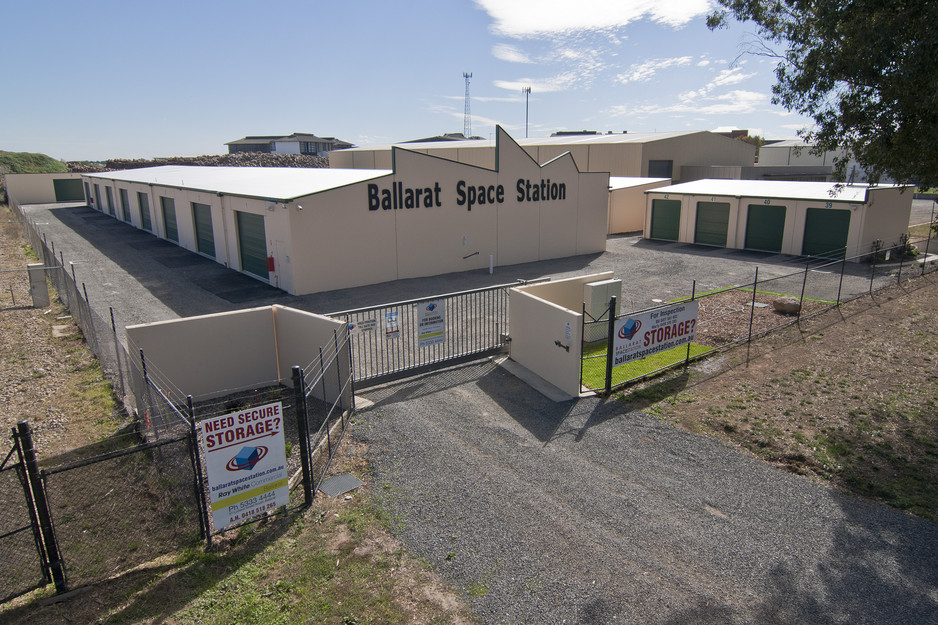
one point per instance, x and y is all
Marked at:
(584, 512)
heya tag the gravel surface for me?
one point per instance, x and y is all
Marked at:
(584, 512)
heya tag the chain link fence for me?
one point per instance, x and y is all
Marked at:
(737, 314)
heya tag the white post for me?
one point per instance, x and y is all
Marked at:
(491, 264)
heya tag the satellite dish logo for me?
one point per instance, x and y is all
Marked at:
(246, 459)
(629, 329)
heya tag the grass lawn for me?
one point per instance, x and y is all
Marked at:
(594, 364)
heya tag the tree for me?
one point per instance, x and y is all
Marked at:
(866, 72)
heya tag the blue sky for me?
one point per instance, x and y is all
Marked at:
(101, 79)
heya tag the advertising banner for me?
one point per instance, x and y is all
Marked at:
(246, 464)
(653, 332)
(431, 323)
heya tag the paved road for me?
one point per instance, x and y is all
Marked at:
(146, 279)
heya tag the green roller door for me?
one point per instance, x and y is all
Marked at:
(143, 201)
(204, 234)
(125, 205)
(825, 232)
(765, 227)
(713, 220)
(252, 244)
(169, 218)
(68, 190)
(665, 219)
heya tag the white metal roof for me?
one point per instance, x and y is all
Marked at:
(781, 189)
(274, 183)
(568, 140)
(624, 182)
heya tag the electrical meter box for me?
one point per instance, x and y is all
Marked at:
(596, 297)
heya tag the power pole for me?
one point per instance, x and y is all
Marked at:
(467, 118)
(527, 92)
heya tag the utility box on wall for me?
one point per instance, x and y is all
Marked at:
(596, 297)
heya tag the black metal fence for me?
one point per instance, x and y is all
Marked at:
(143, 491)
(737, 314)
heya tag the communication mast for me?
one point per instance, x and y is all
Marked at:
(467, 117)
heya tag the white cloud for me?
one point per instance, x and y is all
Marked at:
(644, 71)
(533, 18)
(509, 53)
(560, 82)
(730, 77)
(703, 63)
(735, 102)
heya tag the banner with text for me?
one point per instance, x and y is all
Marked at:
(246, 463)
(653, 332)
(431, 323)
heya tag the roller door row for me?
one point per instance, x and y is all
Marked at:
(825, 229)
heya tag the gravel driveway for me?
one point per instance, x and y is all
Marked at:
(585, 512)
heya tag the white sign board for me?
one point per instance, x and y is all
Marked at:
(653, 332)
(246, 463)
(431, 323)
(392, 328)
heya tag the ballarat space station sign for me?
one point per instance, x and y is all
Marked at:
(654, 332)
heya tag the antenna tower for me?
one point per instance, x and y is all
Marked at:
(467, 117)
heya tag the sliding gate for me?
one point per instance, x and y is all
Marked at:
(404, 338)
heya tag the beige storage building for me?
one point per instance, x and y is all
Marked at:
(311, 230)
(643, 154)
(798, 218)
(627, 202)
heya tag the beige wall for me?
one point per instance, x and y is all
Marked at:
(627, 207)
(32, 188)
(701, 148)
(886, 218)
(536, 327)
(544, 314)
(197, 356)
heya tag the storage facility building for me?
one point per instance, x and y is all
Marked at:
(798, 218)
(643, 154)
(311, 230)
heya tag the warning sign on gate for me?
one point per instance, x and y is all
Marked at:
(653, 332)
(246, 464)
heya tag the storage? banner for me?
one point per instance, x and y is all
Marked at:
(653, 332)
(246, 463)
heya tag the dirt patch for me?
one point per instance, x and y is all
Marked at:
(849, 396)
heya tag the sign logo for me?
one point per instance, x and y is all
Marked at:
(630, 329)
(431, 306)
(247, 458)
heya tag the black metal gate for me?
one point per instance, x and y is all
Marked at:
(404, 338)
(21, 550)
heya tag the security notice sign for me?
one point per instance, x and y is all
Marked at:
(653, 332)
(431, 323)
(246, 463)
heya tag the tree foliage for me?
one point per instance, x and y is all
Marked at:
(866, 72)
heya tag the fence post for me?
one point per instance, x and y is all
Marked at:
(146, 384)
(610, 343)
(42, 507)
(840, 287)
(117, 352)
(807, 267)
(752, 314)
(302, 428)
(899, 274)
(693, 294)
(197, 469)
